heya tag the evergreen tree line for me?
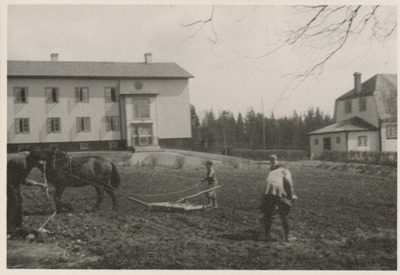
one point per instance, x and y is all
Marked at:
(225, 131)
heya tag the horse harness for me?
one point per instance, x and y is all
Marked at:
(67, 157)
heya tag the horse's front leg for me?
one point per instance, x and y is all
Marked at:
(113, 198)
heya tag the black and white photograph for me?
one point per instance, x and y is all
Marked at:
(201, 136)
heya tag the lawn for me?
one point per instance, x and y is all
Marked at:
(343, 220)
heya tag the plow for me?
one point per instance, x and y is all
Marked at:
(180, 205)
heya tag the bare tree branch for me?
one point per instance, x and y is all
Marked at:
(327, 27)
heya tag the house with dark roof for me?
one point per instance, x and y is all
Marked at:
(366, 118)
(97, 105)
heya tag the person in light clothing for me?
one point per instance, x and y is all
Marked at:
(212, 181)
(279, 192)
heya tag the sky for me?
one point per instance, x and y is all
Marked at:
(224, 56)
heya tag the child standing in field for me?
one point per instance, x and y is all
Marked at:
(212, 181)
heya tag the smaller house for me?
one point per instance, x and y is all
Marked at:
(366, 118)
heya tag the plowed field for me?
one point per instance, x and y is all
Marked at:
(343, 220)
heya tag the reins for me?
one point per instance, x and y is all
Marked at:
(70, 159)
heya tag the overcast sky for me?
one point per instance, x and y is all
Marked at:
(221, 56)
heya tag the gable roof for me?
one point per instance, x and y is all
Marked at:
(354, 124)
(70, 69)
(379, 82)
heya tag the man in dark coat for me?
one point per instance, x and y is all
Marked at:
(19, 166)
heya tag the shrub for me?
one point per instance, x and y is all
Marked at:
(260, 154)
(367, 157)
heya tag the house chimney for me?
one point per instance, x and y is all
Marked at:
(147, 58)
(357, 82)
(54, 57)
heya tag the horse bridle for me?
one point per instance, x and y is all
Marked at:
(54, 160)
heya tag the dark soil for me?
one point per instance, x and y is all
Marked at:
(342, 221)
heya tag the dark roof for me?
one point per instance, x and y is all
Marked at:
(349, 125)
(95, 69)
(379, 82)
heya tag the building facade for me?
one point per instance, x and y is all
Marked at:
(366, 118)
(96, 105)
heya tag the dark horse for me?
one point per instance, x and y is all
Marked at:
(63, 170)
(19, 165)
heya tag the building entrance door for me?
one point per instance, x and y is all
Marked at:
(327, 143)
(142, 134)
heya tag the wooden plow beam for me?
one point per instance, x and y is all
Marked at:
(179, 205)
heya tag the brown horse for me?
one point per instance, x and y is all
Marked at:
(19, 165)
(63, 170)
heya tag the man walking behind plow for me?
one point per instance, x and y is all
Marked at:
(279, 193)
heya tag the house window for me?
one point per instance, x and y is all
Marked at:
(362, 104)
(53, 125)
(347, 106)
(141, 107)
(21, 95)
(83, 124)
(52, 95)
(82, 94)
(362, 141)
(391, 131)
(316, 141)
(22, 125)
(337, 139)
(113, 144)
(84, 145)
(111, 94)
(112, 123)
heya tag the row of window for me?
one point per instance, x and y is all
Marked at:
(52, 94)
(391, 133)
(54, 124)
(362, 105)
(362, 141)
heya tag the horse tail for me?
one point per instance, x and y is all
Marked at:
(115, 178)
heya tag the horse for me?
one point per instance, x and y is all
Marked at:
(63, 170)
(19, 165)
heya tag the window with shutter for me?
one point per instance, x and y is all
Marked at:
(20, 95)
(22, 125)
(53, 125)
(52, 95)
(83, 124)
(110, 94)
(391, 131)
(82, 94)
(112, 123)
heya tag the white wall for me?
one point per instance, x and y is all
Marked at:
(317, 150)
(388, 144)
(370, 114)
(170, 109)
(38, 110)
(372, 143)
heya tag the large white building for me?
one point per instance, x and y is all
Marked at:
(96, 105)
(366, 118)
